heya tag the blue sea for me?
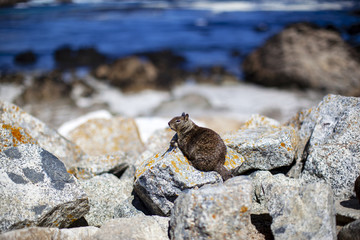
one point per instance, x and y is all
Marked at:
(206, 33)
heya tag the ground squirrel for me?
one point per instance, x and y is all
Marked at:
(203, 147)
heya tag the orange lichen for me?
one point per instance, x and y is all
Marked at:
(173, 163)
(19, 135)
(282, 144)
(243, 209)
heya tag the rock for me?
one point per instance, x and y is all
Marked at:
(25, 58)
(17, 78)
(264, 144)
(18, 127)
(214, 75)
(332, 151)
(347, 211)
(350, 232)
(91, 166)
(301, 212)
(46, 87)
(37, 190)
(10, 3)
(220, 211)
(50, 233)
(106, 195)
(66, 57)
(160, 179)
(306, 56)
(129, 74)
(108, 136)
(137, 228)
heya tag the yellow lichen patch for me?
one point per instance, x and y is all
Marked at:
(243, 209)
(173, 163)
(213, 216)
(282, 144)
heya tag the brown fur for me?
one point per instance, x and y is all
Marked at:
(203, 147)
(357, 188)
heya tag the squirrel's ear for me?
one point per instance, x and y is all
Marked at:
(186, 117)
(183, 114)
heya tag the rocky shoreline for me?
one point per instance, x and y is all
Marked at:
(104, 182)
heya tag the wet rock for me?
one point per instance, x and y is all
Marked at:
(138, 227)
(301, 212)
(129, 74)
(25, 58)
(50, 233)
(220, 211)
(66, 57)
(308, 57)
(108, 136)
(160, 179)
(264, 144)
(37, 190)
(106, 194)
(18, 127)
(332, 151)
(213, 75)
(350, 231)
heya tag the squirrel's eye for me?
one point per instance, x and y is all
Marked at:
(178, 121)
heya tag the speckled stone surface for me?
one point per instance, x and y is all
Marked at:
(108, 136)
(36, 190)
(160, 179)
(264, 144)
(221, 211)
(19, 127)
(332, 154)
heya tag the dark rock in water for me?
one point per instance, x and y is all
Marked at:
(354, 29)
(306, 56)
(36, 190)
(213, 75)
(25, 58)
(10, 3)
(66, 57)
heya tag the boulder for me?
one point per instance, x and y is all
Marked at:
(50, 233)
(220, 211)
(37, 190)
(161, 178)
(25, 58)
(301, 212)
(137, 228)
(66, 57)
(264, 144)
(129, 74)
(306, 56)
(332, 153)
(108, 136)
(107, 198)
(91, 166)
(350, 231)
(19, 127)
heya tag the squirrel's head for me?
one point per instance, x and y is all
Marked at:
(180, 123)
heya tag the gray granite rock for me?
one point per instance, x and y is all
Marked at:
(264, 144)
(106, 195)
(135, 228)
(34, 233)
(19, 127)
(350, 231)
(332, 154)
(91, 166)
(220, 211)
(305, 212)
(36, 190)
(160, 179)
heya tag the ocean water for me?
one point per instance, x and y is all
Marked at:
(206, 33)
